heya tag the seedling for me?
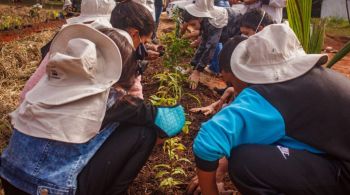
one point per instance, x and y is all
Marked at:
(171, 175)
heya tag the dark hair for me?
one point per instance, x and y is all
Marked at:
(226, 52)
(186, 17)
(129, 14)
(252, 18)
(129, 65)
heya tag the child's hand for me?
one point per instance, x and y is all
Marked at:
(207, 110)
(194, 79)
(193, 187)
(227, 97)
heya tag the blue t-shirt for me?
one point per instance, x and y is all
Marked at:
(250, 119)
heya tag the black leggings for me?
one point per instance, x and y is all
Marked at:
(115, 165)
(266, 169)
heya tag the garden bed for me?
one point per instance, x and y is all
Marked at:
(20, 56)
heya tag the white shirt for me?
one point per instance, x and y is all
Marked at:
(274, 8)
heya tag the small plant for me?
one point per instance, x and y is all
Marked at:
(5, 22)
(176, 49)
(53, 15)
(34, 11)
(170, 84)
(171, 175)
(299, 18)
(8, 22)
(317, 36)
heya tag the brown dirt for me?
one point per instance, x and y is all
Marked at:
(145, 183)
(11, 35)
(337, 43)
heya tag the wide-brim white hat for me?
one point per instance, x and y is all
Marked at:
(199, 9)
(271, 56)
(220, 16)
(70, 77)
(92, 10)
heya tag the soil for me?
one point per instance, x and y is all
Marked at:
(337, 43)
(11, 35)
(145, 183)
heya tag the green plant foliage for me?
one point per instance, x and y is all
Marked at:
(34, 12)
(299, 18)
(317, 36)
(343, 52)
(10, 22)
(176, 50)
(171, 175)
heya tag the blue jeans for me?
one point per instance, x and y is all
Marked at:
(222, 3)
(214, 63)
(158, 6)
(35, 165)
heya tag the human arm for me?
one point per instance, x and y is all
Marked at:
(207, 182)
(250, 119)
(168, 121)
(205, 51)
(191, 35)
(213, 108)
(209, 39)
(194, 188)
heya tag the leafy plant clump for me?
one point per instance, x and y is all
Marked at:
(170, 175)
(176, 50)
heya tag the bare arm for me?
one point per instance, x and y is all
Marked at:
(207, 182)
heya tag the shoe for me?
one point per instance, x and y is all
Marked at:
(155, 41)
(207, 69)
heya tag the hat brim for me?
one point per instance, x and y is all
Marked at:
(293, 68)
(111, 59)
(194, 11)
(53, 95)
(83, 19)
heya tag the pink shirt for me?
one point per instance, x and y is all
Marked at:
(35, 78)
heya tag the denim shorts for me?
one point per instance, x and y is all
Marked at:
(42, 166)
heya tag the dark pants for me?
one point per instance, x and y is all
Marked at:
(265, 169)
(158, 6)
(115, 165)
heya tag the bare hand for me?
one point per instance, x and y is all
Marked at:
(194, 79)
(207, 110)
(227, 97)
(193, 187)
(152, 55)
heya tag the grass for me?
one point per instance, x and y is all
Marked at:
(18, 60)
(48, 5)
(338, 27)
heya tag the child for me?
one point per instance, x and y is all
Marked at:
(218, 24)
(191, 28)
(273, 7)
(252, 22)
(276, 134)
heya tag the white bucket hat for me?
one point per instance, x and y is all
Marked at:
(219, 15)
(83, 62)
(94, 10)
(199, 9)
(68, 104)
(271, 56)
